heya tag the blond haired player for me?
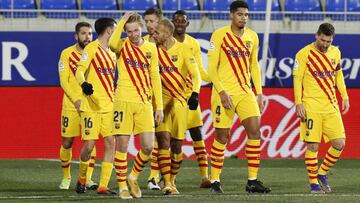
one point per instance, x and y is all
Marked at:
(194, 118)
(139, 81)
(176, 62)
(232, 63)
(95, 74)
(70, 117)
(317, 71)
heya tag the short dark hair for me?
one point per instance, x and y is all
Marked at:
(102, 23)
(238, 4)
(326, 29)
(153, 11)
(79, 25)
(179, 12)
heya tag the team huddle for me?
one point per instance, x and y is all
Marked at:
(149, 87)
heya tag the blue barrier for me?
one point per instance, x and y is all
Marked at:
(31, 58)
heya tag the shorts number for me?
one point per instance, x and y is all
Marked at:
(65, 121)
(309, 123)
(218, 110)
(88, 123)
(118, 114)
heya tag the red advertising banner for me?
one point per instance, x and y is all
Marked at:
(30, 126)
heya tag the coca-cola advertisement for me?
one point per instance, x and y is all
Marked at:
(30, 126)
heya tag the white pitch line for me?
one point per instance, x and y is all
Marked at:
(181, 196)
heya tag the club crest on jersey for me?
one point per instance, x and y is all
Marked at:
(148, 55)
(174, 58)
(332, 61)
(248, 45)
(192, 60)
(87, 132)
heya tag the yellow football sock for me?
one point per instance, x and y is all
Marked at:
(217, 160)
(106, 169)
(65, 159)
(201, 156)
(253, 158)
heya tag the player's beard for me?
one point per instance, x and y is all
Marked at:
(82, 44)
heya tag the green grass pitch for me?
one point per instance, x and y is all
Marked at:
(38, 180)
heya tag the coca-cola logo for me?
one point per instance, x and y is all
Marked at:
(279, 132)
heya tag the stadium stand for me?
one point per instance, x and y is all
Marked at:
(59, 5)
(109, 5)
(21, 5)
(304, 6)
(188, 5)
(260, 5)
(216, 5)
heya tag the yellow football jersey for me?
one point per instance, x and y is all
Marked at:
(315, 76)
(97, 66)
(67, 67)
(232, 59)
(138, 70)
(194, 46)
(175, 65)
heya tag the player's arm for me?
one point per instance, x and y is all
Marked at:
(213, 61)
(156, 86)
(254, 66)
(197, 54)
(298, 72)
(155, 79)
(115, 41)
(82, 68)
(191, 65)
(64, 74)
(340, 84)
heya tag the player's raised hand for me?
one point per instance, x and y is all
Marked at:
(226, 100)
(159, 116)
(345, 106)
(261, 102)
(87, 88)
(300, 112)
(127, 15)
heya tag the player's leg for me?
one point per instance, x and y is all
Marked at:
(90, 184)
(154, 168)
(194, 124)
(109, 144)
(163, 138)
(122, 128)
(252, 128)
(249, 114)
(90, 129)
(65, 161)
(222, 119)
(178, 130)
(70, 128)
(311, 133)
(334, 131)
(143, 156)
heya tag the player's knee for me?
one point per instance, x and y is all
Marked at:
(314, 147)
(222, 135)
(147, 149)
(338, 144)
(67, 143)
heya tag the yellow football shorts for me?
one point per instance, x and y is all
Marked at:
(245, 106)
(175, 120)
(194, 118)
(132, 118)
(70, 123)
(95, 123)
(317, 125)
